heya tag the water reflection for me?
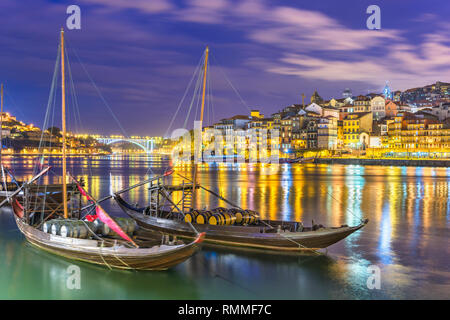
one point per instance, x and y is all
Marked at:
(407, 237)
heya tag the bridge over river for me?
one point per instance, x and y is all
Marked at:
(148, 144)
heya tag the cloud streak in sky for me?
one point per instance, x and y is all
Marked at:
(142, 53)
(314, 45)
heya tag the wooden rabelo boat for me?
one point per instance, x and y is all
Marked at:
(108, 251)
(232, 227)
(266, 235)
(89, 234)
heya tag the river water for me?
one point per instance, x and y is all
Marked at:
(407, 238)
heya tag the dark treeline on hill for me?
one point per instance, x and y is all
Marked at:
(19, 144)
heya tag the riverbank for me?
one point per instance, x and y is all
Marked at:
(385, 162)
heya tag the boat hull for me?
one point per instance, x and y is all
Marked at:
(155, 258)
(244, 237)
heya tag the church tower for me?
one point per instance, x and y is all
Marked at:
(315, 98)
(387, 93)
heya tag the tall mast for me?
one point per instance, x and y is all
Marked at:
(63, 100)
(204, 87)
(194, 184)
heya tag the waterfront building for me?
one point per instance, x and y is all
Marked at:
(432, 93)
(299, 139)
(443, 88)
(441, 111)
(292, 109)
(6, 117)
(323, 111)
(327, 134)
(234, 131)
(293, 128)
(397, 96)
(337, 103)
(286, 132)
(6, 132)
(353, 125)
(330, 112)
(391, 108)
(348, 100)
(361, 104)
(340, 134)
(420, 132)
(314, 107)
(377, 105)
(311, 132)
(261, 123)
(228, 125)
(375, 141)
(255, 114)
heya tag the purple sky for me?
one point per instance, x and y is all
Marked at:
(142, 53)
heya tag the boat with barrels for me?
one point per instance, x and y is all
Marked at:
(88, 233)
(230, 227)
(81, 240)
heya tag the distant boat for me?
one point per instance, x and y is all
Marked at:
(228, 227)
(45, 220)
(301, 160)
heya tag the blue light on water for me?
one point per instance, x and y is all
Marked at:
(385, 236)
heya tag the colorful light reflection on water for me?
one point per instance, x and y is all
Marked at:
(407, 237)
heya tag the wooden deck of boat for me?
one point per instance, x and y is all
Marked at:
(180, 187)
(159, 257)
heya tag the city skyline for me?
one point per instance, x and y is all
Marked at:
(270, 53)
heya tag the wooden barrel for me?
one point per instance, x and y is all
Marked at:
(219, 210)
(229, 218)
(191, 216)
(66, 230)
(216, 219)
(127, 224)
(96, 225)
(203, 217)
(131, 225)
(251, 219)
(223, 218)
(55, 228)
(245, 217)
(102, 228)
(47, 227)
(76, 229)
(239, 216)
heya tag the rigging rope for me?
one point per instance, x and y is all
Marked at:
(100, 94)
(184, 96)
(232, 86)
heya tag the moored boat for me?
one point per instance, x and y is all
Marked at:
(48, 222)
(180, 218)
(108, 252)
(267, 235)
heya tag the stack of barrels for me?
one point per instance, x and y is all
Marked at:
(246, 217)
(85, 229)
(222, 216)
(128, 225)
(69, 228)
